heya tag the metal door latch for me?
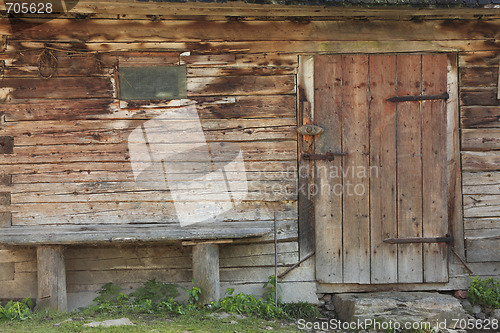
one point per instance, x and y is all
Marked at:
(446, 239)
(444, 96)
(328, 156)
(310, 130)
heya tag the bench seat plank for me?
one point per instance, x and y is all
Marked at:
(127, 233)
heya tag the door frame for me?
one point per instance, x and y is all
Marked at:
(305, 115)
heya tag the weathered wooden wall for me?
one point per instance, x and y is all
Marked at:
(480, 124)
(69, 162)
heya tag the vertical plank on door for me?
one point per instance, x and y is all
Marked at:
(434, 214)
(305, 106)
(355, 142)
(328, 203)
(383, 211)
(409, 169)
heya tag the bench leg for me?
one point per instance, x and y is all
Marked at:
(206, 271)
(51, 278)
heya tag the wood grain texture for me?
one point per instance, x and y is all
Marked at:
(479, 96)
(94, 109)
(305, 112)
(483, 245)
(480, 116)
(383, 209)
(409, 169)
(64, 87)
(355, 143)
(479, 76)
(481, 161)
(328, 201)
(206, 272)
(51, 272)
(454, 172)
(189, 30)
(124, 233)
(481, 139)
(434, 171)
(481, 205)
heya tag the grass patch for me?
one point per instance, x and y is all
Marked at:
(195, 321)
(152, 307)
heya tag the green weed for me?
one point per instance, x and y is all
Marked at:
(485, 292)
(17, 310)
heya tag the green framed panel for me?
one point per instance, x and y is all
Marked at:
(152, 83)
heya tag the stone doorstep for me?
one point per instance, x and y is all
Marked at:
(399, 307)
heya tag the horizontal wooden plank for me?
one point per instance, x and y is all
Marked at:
(121, 276)
(480, 161)
(122, 234)
(483, 234)
(480, 116)
(241, 85)
(152, 212)
(152, 196)
(71, 87)
(29, 64)
(479, 76)
(122, 171)
(138, 192)
(480, 139)
(259, 47)
(479, 96)
(96, 87)
(483, 245)
(124, 30)
(17, 255)
(478, 59)
(482, 223)
(168, 258)
(134, 59)
(235, 71)
(288, 258)
(260, 184)
(98, 131)
(252, 151)
(208, 108)
(207, 60)
(239, 10)
(481, 205)
(23, 285)
(481, 182)
(136, 263)
(58, 109)
(267, 60)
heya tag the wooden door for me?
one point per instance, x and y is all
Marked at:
(391, 182)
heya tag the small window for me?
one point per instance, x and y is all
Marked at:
(150, 83)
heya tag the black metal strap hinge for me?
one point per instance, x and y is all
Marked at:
(446, 239)
(328, 156)
(444, 96)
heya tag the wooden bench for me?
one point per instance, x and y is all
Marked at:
(50, 241)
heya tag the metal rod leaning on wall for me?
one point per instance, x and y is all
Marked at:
(296, 265)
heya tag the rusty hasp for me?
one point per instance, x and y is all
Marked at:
(329, 156)
(446, 239)
(413, 98)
